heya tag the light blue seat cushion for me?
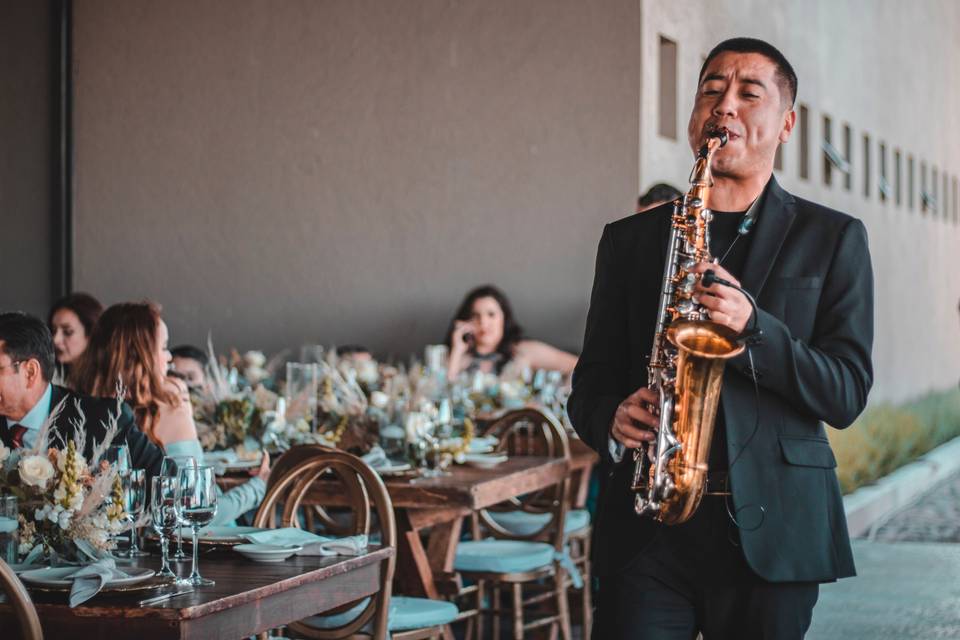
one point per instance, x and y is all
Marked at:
(525, 524)
(405, 614)
(502, 556)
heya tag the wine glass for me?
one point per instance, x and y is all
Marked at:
(196, 506)
(170, 468)
(134, 491)
(163, 516)
(118, 456)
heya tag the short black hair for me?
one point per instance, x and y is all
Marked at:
(191, 353)
(660, 192)
(26, 337)
(350, 349)
(786, 76)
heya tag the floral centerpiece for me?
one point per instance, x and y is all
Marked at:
(230, 413)
(344, 413)
(70, 508)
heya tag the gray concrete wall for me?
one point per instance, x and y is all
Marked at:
(887, 68)
(26, 112)
(343, 171)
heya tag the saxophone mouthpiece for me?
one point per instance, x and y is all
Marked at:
(721, 134)
(716, 138)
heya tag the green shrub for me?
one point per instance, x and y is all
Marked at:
(886, 437)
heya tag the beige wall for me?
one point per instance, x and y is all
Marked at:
(887, 68)
(27, 106)
(343, 171)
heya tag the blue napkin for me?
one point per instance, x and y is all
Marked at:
(313, 545)
(89, 579)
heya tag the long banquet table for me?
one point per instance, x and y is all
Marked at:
(248, 598)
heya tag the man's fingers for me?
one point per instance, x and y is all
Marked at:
(641, 415)
(644, 394)
(631, 436)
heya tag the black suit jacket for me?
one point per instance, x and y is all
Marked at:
(143, 453)
(809, 269)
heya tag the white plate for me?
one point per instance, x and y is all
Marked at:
(483, 444)
(54, 577)
(267, 552)
(20, 567)
(243, 464)
(484, 461)
(393, 468)
(219, 533)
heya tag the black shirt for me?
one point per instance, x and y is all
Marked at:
(725, 245)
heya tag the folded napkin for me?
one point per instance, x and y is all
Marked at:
(376, 458)
(89, 579)
(313, 545)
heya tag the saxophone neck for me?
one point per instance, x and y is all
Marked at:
(700, 175)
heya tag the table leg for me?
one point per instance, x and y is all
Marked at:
(414, 575)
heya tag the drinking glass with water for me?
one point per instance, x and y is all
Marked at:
(196, 507)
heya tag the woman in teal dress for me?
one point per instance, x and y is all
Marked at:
(129, 343)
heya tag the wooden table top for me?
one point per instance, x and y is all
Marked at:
(249, 597)
(460, 487)
(476, 488)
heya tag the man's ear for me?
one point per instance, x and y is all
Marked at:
(789, 122)
(33, 372)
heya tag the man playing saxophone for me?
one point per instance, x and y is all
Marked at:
(771, 527)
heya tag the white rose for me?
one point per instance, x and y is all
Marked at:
(36, 471)
(367, 371)
(254, 359)
(379, 399)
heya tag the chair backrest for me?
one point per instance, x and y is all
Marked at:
(366, 496)
(533, 432)
(331, 523)
(22, 604)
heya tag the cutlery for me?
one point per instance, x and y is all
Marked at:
(157, 599)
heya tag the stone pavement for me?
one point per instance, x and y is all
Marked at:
(909, 577)
(935, 517)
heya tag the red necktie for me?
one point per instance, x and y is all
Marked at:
(17, 432)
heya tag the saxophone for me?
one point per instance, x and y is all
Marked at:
(686, 362)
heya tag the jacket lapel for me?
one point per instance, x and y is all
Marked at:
(773, 223)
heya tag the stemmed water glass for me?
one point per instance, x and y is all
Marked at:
(196, 507)
(163, 517)
(170, 468)
(118, 456)
(134, 491)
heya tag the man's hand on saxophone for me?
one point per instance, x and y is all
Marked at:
(634, 425)
(726, 305)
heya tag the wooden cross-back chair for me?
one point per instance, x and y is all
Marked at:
(288, 500)
(529, 432)
(337, 522)
(530, 559)
(22, 605)
(366, 493)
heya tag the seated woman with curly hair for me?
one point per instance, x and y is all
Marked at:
(484, 336)
(129, 343)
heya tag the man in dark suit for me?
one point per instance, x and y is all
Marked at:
(746, 565)
(27, 398)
